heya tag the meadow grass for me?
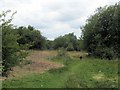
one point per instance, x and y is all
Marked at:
(76, 73)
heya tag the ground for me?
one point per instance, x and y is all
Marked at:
(44, 69)
(39, 63)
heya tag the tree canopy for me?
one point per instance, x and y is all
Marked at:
(30, 38)
(68, 41)
(101, 31)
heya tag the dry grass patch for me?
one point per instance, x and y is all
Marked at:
(98, 77)
(40, 55)
(77, 54)
(39, 64)
(101, 76)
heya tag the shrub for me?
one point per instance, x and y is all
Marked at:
(11, 54)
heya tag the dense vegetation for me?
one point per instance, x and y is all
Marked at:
(30, 38)
(14, 40)
(100, 37)
(11, 54)
(101, 33)
(68, 42)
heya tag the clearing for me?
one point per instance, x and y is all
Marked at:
(49, 71)
(37, 62)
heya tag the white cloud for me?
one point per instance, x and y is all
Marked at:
(53, 17)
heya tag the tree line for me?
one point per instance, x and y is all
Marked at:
(16, 39)
(100, 37)
(30, 38)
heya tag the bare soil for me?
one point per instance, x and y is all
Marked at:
(40, 64)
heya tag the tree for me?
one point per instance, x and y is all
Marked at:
(49, 44)
(100, 34)
(70, 47)
(68, 42)
(30, 38)
(11, 54)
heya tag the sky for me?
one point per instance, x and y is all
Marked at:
(53, 17)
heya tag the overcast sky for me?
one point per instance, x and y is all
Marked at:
(53, 17)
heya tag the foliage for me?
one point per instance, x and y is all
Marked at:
(30, 38)
(11, 54)
(101, 31)
(49, 44)
(68, 41)
(62, 54)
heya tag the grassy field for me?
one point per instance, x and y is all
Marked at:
(65, 72)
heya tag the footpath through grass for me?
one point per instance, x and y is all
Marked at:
(86, 73)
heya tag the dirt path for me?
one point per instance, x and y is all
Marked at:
(40, 64)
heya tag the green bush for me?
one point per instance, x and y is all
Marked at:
(63, 55)
(100, 32)
(11, 54)
(61, 52)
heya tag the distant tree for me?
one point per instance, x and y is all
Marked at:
(30, 38)
(79, 44)
(49, 45)
(68, 41)
(59, 42)
(70, 47)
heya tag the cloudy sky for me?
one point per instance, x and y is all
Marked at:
(53, 17)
